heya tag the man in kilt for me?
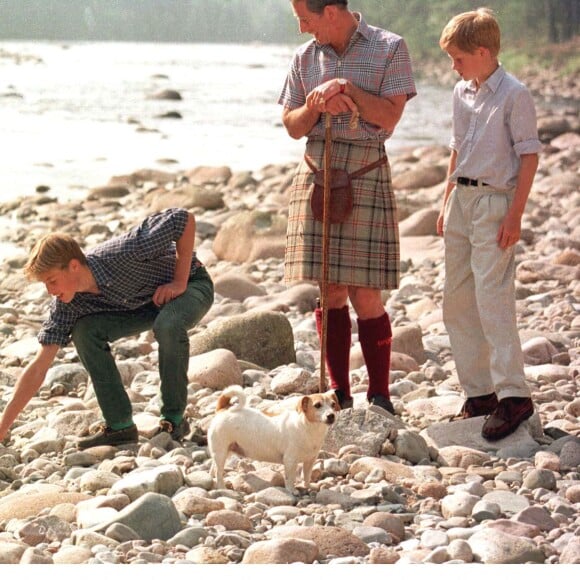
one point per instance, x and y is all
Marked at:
(349, 70)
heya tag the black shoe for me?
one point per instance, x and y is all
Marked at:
(177, 432)
(107, 436)
(344, 401)
(381, 405)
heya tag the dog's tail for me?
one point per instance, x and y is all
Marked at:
(225, 400)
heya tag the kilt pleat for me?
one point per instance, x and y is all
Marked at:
(364, 250)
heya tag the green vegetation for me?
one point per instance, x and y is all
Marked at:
(528, 26)
(524, 23)
(562, 57)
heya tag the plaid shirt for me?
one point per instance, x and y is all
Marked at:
(128, 269)
(376, 60)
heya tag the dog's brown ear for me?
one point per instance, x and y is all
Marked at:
(335, 399)
(303, 404)
(223, 403)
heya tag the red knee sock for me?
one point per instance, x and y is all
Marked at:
(375, 340)
(338, 341)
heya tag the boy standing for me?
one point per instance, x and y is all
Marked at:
(494, 157)
(148, 278)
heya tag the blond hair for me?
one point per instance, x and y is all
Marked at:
(52, 251)
(471, 30)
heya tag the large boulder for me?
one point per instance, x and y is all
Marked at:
(207, 174)
(251, 235)
(493, 547)
(420, 223)
(108, 192)
(281, 551)
(552, 126)
(187, 196)
(215, 369)
(23, 504)
(330, 541)
(237, 286)
(142, 176)
(409, 340)
(152, 516)
(368, 429)
(262, 338)
(530, 271)
(420, 177)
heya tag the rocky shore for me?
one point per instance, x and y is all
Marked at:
(418, 488)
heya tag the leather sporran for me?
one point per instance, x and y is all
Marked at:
(341, 199)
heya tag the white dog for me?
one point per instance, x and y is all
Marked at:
(287, 436)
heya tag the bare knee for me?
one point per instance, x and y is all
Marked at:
(367, 302)
(336, 295)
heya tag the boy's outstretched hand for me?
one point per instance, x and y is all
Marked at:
(4, 438)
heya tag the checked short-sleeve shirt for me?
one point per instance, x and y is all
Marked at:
(128, 269)
(376, 60)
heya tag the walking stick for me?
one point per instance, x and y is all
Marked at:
(325, 249)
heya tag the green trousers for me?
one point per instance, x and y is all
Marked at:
(93, 334)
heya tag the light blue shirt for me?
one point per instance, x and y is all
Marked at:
(492, 127)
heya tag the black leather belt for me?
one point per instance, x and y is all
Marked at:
(470, 182)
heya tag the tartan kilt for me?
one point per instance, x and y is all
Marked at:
(364, 250)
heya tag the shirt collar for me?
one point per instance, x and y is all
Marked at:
(99, 273)
(363, 28)
(492, 82)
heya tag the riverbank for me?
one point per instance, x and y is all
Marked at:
(414, 488)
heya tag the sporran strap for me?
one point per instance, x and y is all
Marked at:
(359, 173)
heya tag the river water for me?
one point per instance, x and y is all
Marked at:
(73, 115)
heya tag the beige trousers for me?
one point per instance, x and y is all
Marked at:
(479, 308)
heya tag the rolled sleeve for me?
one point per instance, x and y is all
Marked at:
(523, 125)
(529, 147)
(57, 329)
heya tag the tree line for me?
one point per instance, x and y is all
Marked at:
(525, 23)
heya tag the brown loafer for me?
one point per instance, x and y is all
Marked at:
(106, 436)
(478, 406)
(507, 417)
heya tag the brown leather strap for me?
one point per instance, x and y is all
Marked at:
(310, 164)
(368, 168)
(359, 173)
